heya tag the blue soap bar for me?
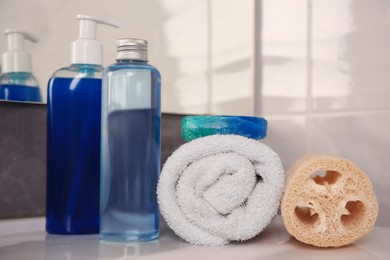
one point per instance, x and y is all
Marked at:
(193, 127)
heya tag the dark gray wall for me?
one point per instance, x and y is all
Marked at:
(23, 156)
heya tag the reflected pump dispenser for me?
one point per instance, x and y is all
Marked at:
(17, 83)
(130, 157)
(73, 136)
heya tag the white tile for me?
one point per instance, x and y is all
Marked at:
(175, 7)
(284, 21)
(176, 32)
(362, 139)
(350, 51)
(183, 29)
(284, 88)
(287, 136)
(284, 56)
(185, 80)
(232, 92)
(232, 52)
(189, 95)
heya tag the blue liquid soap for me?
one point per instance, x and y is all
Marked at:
(17, 83)
(73, 154)
(19, 86)
(73, 136)
(20, 93)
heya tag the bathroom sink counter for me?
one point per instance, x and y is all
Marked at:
(27, 239)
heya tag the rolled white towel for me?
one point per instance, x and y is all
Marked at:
(220, 188)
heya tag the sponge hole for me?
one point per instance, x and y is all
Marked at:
(323, 177)
(305, 215)
(356, 210)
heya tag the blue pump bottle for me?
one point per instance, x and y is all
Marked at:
(17, 83)
(73, 136)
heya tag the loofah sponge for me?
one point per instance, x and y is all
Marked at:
(328, 201)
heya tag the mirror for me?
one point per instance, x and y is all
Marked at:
(203, 48)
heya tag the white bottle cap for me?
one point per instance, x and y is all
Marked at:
(17, 59)
(86, 49)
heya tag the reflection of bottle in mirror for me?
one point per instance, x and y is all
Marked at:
(17, 83)
(130, 162)
(73, 136)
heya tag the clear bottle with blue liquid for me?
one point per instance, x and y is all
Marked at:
(130, 157)
(17, 83)
(73, 137)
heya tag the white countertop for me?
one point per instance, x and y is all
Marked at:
(26, 239)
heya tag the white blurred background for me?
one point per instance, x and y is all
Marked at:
(204, 49)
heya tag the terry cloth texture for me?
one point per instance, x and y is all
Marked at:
(220, 188)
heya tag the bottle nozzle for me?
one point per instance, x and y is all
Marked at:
(86, 50)
(16, 59)
(87, 28)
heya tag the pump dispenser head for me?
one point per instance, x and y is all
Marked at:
(17, 59)
(86, 49)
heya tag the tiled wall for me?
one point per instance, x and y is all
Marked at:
(203, 48)
(325, 84)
